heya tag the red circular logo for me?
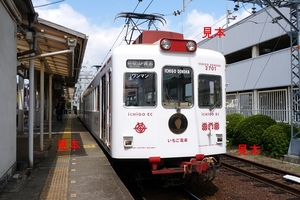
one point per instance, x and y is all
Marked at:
(140, 127)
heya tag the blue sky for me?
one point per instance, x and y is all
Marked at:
(96, 19)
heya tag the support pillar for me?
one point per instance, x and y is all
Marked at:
(50, 111)
(42, 103)
(31, 111)
(21, 106)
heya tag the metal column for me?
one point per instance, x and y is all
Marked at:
(294, 148)
(31, 112)
(42, 103)
(50, 111)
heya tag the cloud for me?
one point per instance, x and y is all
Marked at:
(101, 41)
(196, 21)
(104, 37)
(101, 37)
(66, 16)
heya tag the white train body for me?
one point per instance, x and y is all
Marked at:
(147, 102)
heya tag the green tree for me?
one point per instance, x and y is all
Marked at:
(250, 130)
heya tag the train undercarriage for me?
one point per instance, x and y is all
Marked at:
(169, 172)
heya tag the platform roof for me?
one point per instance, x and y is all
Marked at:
(51, 40)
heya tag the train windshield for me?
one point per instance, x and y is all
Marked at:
(177, 87)
(210, 91)
(140, 89)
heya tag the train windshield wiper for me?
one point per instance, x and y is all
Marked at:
(215, 104)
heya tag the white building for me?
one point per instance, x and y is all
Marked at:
(257, 51)
(258, 72)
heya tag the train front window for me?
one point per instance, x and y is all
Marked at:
(139, 89)
(177, 87)
(210, 91)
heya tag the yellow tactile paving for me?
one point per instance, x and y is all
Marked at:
(56, 186)
(73, 195)
(60, 154)
(87, 146)
(63, 160)
(58, 170)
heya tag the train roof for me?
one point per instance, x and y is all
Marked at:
(151, 36)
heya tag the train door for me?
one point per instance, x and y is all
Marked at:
(84, 110)
(105, 108)
(109, 117)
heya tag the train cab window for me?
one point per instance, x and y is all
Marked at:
(139, 89)
(209, 91)
(177, 87)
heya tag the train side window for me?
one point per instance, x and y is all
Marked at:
(177, 87)
(140, 89)
(209, 91)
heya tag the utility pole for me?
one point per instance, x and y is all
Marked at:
(185, 5)
(294, 33)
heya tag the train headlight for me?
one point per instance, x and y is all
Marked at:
(191, 46)
(177, 45)
(165, 44)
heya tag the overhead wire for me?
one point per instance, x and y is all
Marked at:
(202, 33)
(144, 10)
(210, 26)
(136, 6)
(252, 58)
(270, 53)
(268, 59)
(246, 9)
(48, 4)
(259, 41)
(148, 6)
(109, 51)
(220, 21)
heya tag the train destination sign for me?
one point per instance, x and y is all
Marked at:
(139, 63)
(182, 70)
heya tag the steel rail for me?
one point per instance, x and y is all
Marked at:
(266, 180)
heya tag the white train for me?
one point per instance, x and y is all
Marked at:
(161, 101)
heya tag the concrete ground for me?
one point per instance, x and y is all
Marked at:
(82, 172)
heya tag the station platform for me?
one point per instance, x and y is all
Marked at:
(72, 166)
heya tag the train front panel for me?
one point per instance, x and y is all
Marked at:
(166, 104)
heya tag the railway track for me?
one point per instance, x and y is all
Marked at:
(150, 190)
(266, 174)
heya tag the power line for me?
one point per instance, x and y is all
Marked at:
(144, 10)
(139, 1)
(253, 59)
(148, 6)
(137, 5)
(109, 51)
(48, 4)
(112, 45)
